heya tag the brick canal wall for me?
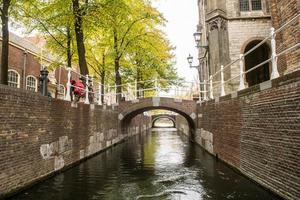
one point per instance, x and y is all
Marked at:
(39, 137)
(257, 131)
(182, 125)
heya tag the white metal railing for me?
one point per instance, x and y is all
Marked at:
(182, 90)
(273, 59)
(159, 87)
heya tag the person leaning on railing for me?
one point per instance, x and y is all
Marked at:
(77, 89)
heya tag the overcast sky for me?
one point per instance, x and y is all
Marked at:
(182, 22)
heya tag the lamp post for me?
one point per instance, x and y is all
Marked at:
(197, 38)
(190, 61)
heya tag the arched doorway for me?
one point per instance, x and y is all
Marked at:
(256, 57)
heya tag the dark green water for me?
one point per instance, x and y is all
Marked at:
(159, 166)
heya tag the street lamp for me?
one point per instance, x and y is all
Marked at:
(197, 37)
(190, 61)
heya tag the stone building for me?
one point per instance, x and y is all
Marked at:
(25, 62)
(232, 27)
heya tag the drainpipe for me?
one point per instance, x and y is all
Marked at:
(24, 68)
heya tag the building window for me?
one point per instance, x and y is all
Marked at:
(13, 79)
(31, 83)
(244, 5)
(61, 90)
(250, 5)
(256, 5)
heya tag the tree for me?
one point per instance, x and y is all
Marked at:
(128, 22)
(115, 39)
(79, 12)
(4, 11)
(52, 21)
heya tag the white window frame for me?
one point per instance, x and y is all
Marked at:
(18, 81)
(36, 82)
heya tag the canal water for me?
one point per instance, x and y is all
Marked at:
(162, 166)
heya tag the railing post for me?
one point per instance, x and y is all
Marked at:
(205, 94)
(87, 101)
(242, 79)
(156, 87)
(135, 90)
(128, 92)
(222, 81)
(104, 94)
(107, 94)
(274, 73)
(200, 95)
(115, 95)
(99, 94)
(211, 88)
(191, 91)
(68, 95)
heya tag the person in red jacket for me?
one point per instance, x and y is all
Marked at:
(77, 90)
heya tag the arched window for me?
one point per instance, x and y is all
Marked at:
(13, 78)
(61, 90)
(31, 83)
(250, 5)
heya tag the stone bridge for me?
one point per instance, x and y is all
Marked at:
(154, 118)
(187, 108)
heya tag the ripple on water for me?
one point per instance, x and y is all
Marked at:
(160, 166)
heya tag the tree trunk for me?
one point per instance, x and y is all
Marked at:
(79, 37)
(118, 79)
(102, 76)
(138, 93)
(69, 54)
(5, 43)
(102, 86)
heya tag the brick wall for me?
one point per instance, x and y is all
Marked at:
(182, 125)
(257, 132)
(283, 11)
(38, 137)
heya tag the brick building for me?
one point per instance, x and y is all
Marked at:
(231, 28)
(25, 62)
(283, 11)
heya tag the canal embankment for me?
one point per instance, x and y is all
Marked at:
(257, 132)
(40, 137)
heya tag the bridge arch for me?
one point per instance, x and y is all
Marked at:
(186, 108)
(155, 118)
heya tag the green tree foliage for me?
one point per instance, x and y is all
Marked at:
(52, 20)
(122, 40)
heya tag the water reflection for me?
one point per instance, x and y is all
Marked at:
(160, 166)
(164, 123)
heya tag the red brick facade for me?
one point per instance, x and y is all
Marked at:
(282, 11)
(24, 58)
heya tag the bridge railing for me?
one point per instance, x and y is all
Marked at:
(92, 91)
(212, 86)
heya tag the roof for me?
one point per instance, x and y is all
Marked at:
(24, 44)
